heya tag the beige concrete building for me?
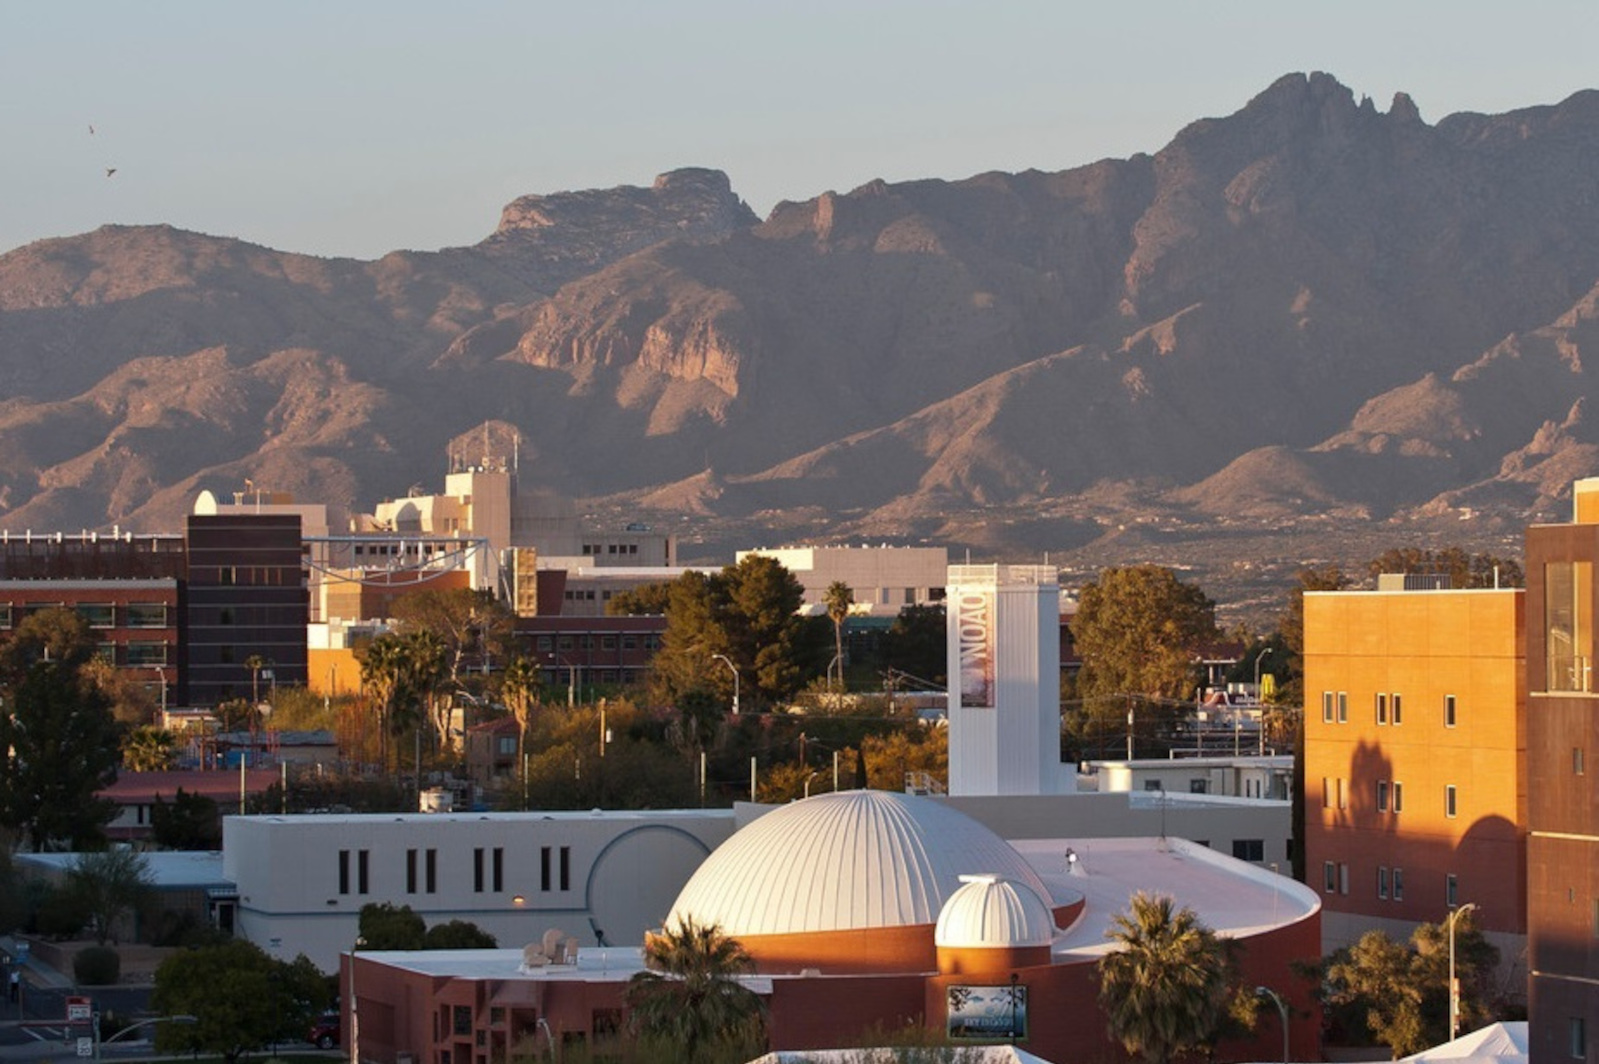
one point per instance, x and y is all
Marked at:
(884, 579)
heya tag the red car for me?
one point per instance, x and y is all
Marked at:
(325, 1031)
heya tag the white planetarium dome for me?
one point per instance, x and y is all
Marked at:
(845, 861)
(989, 912)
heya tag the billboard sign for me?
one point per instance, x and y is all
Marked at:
(974, 637)
(987, 1013)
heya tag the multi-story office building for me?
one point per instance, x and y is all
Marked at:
(1415, 759)
(1563, 803)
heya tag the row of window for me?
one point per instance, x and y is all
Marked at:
(1387, 707)
(94, 614)
(594, 550)
(1390, 795)
(627, 641)
(422, 870)
(1390, 883)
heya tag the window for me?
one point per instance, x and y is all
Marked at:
(344, 871)
(1153, 785)
(1449, 711)
(1343, 879)
(477, 870)
(499, 868)
(1399, 796)
(1249, 849)
(433, 871)
(1329, 877)
(98, 614)
(1399, 715)
(1326, 792)
(147, 653)
(1326, 707)
(1596, 918)
(1382, 709)
(546, 642)
(607, 642)
(1579, 1038)
(1451, 890)
(566, 868)
(461, 1022)
(1343, 707)
(1449, 800)
(630, 642)
(507, 745)
(1399, 884)
(1199, 786)
(1382, 796)
(5, 615)
(544, 868)
(362, 862)
(410, 871)
(1577, 761)
(1382, 882)
(1342, 801)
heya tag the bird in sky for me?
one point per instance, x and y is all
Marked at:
(110, 170)
(91, 130)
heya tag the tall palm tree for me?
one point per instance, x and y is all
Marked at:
(149, 749)
(690, 995)
(838, 598)
(1165, 986)
(520, 686)
(383, 671)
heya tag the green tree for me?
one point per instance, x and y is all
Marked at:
(59, 742)
(690, 995)
(916, 643)
(111, 884)
(1464, 570)
(190, 822)
(149, 749)
(472, 627)
(1166, 985)
(1139, 630)
(383, 676)
(458, 934)
(646, 600)
(241, 999)
(384, 925)
(838, 598)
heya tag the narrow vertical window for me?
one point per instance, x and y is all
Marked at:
(1343, 707)
(1449, 711)
(1449, 800)
(1578, 761)
(1382, 796)
(566, 868)
(433, 871)
(477, 870)
(1451, 890)
(410, 871)
(499, 868)
(1399, 884)
(1382, 882)
(1343, 879)
(544, 868)
(1399, 796)
(1399, 709)
(1326, 707)
(1326, 792)
(344, 871)
(1342, 801)
(1329, 877)
(1382, 708)
(1579, 1038)
(362, 864)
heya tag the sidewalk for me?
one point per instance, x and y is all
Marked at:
(34, 971)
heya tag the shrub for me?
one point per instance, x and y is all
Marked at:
(97, 966)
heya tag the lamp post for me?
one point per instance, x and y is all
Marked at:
(98, 1041)
(1282, 1009)
(1454, 984)
(1260, 729)
(355, 1015)
(725, 660)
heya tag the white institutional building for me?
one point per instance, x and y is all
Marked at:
(1004, 681)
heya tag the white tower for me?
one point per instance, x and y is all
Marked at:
(1004, 679)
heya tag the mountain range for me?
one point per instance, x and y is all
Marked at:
(1295, 334)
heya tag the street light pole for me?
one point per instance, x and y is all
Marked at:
(725, 660)
(355, 1015)
(1454, 984)
(1282, 1009)
(1260, 729)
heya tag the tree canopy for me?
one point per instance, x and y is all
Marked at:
(1139, 630)
(59, 742)
(690, 995)
(1165, 984)
(240, 998)
(1464, 570)
(110, 884)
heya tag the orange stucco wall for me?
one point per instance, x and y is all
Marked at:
(1422, 646)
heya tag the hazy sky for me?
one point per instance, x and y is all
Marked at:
(356, 127)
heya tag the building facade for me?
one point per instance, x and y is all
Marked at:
(1563, 803)
(1415, 760)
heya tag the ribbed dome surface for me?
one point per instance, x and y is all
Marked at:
(990, 912)
(855, 859)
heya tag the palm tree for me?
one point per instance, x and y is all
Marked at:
(1165, 986)
(383, 669)
(838, 599)
(691, 997)
(149, 749)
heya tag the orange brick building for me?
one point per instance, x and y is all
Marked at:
(1415, 760)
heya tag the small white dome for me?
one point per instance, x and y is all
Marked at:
(845, 861)
(991, 912)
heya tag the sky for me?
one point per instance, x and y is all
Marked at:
(358, 127)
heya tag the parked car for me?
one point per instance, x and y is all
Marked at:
(325, 1031)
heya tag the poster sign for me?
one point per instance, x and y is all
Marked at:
(79, 1010)
(974, 635)
(987, 1013)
